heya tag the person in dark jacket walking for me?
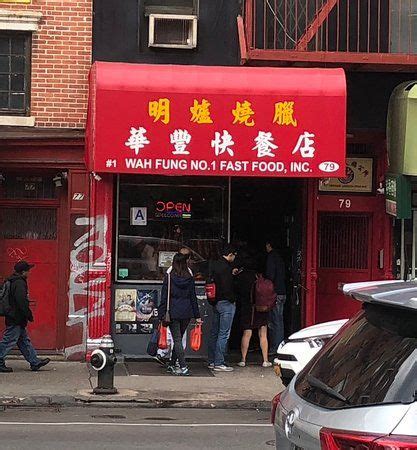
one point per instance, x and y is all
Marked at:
(181, 303)
(275, 271)
(223, 311)
(17, 321)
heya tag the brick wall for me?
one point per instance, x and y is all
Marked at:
(61, 59)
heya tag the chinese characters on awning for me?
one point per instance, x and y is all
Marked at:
(173, 120)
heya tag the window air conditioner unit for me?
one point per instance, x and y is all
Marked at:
(172, 31)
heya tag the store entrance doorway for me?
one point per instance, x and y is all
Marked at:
(30, 233)
(345, 253)
(263, 209)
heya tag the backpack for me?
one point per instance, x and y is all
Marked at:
(5, 305)
(265, 297)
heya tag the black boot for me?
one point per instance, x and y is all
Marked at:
(4, 368)
(41, 363)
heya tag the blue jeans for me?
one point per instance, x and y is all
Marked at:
(15, 334)
(223, 314)
(276, 324)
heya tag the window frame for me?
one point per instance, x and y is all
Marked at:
(224, 223)
(27, 73)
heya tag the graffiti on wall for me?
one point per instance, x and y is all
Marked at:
(17, 253)
(87, 280)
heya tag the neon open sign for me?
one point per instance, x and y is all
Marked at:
(173, 209)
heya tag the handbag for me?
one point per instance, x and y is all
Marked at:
(195, 337)
(163, 337)
(210, 287)
(152, 348)
(167, 318)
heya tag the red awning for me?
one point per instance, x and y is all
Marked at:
(229, 121)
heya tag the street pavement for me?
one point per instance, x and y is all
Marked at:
(64, 382)
(91, 428)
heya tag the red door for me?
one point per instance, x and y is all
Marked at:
(30, 234)
(345, 248)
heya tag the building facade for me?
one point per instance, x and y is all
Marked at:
(103, 234)
(45, 57)
(143, 232)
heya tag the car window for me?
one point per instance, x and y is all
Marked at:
(372, 361)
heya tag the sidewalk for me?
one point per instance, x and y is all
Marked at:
(67, 384)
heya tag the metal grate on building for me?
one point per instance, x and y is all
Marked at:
(343, 241)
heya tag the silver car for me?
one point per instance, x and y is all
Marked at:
(360, 390)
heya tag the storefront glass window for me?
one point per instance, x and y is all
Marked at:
(155, 220)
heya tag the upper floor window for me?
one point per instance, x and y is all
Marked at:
(15, 64)
(172, 23)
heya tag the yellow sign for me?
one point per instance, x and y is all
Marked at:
(15, 1)
(201, 112)
(243, 114)
(160, 110)
(284, 114)
(359, 177)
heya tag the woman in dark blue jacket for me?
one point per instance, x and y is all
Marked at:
(181, 303)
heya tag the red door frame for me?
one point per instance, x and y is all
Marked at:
(370, 204)
(49, 155)
(56, 204)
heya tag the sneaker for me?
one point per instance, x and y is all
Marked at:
(210, 366)
(171, 369)
(241, 364)
(182, 372)
(41, 363)
(223, 368)
(5, 369)
(266, 364)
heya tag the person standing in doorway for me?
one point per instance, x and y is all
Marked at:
(223, 310)
(179, 298)
(275, 271)
(17, 321)
(250, 318)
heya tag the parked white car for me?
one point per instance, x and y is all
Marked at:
(295, 352)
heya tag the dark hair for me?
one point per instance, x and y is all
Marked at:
(180, 267)
(272, 243)
(185, 251)
(228, 249)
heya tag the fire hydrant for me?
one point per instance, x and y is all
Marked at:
(103, 361)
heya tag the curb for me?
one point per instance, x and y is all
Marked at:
(261, 405)
(38, 401)
(46, 401)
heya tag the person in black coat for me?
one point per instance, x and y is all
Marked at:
(224, 309)
(17, 320)
(181, 303)
(275, 271)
